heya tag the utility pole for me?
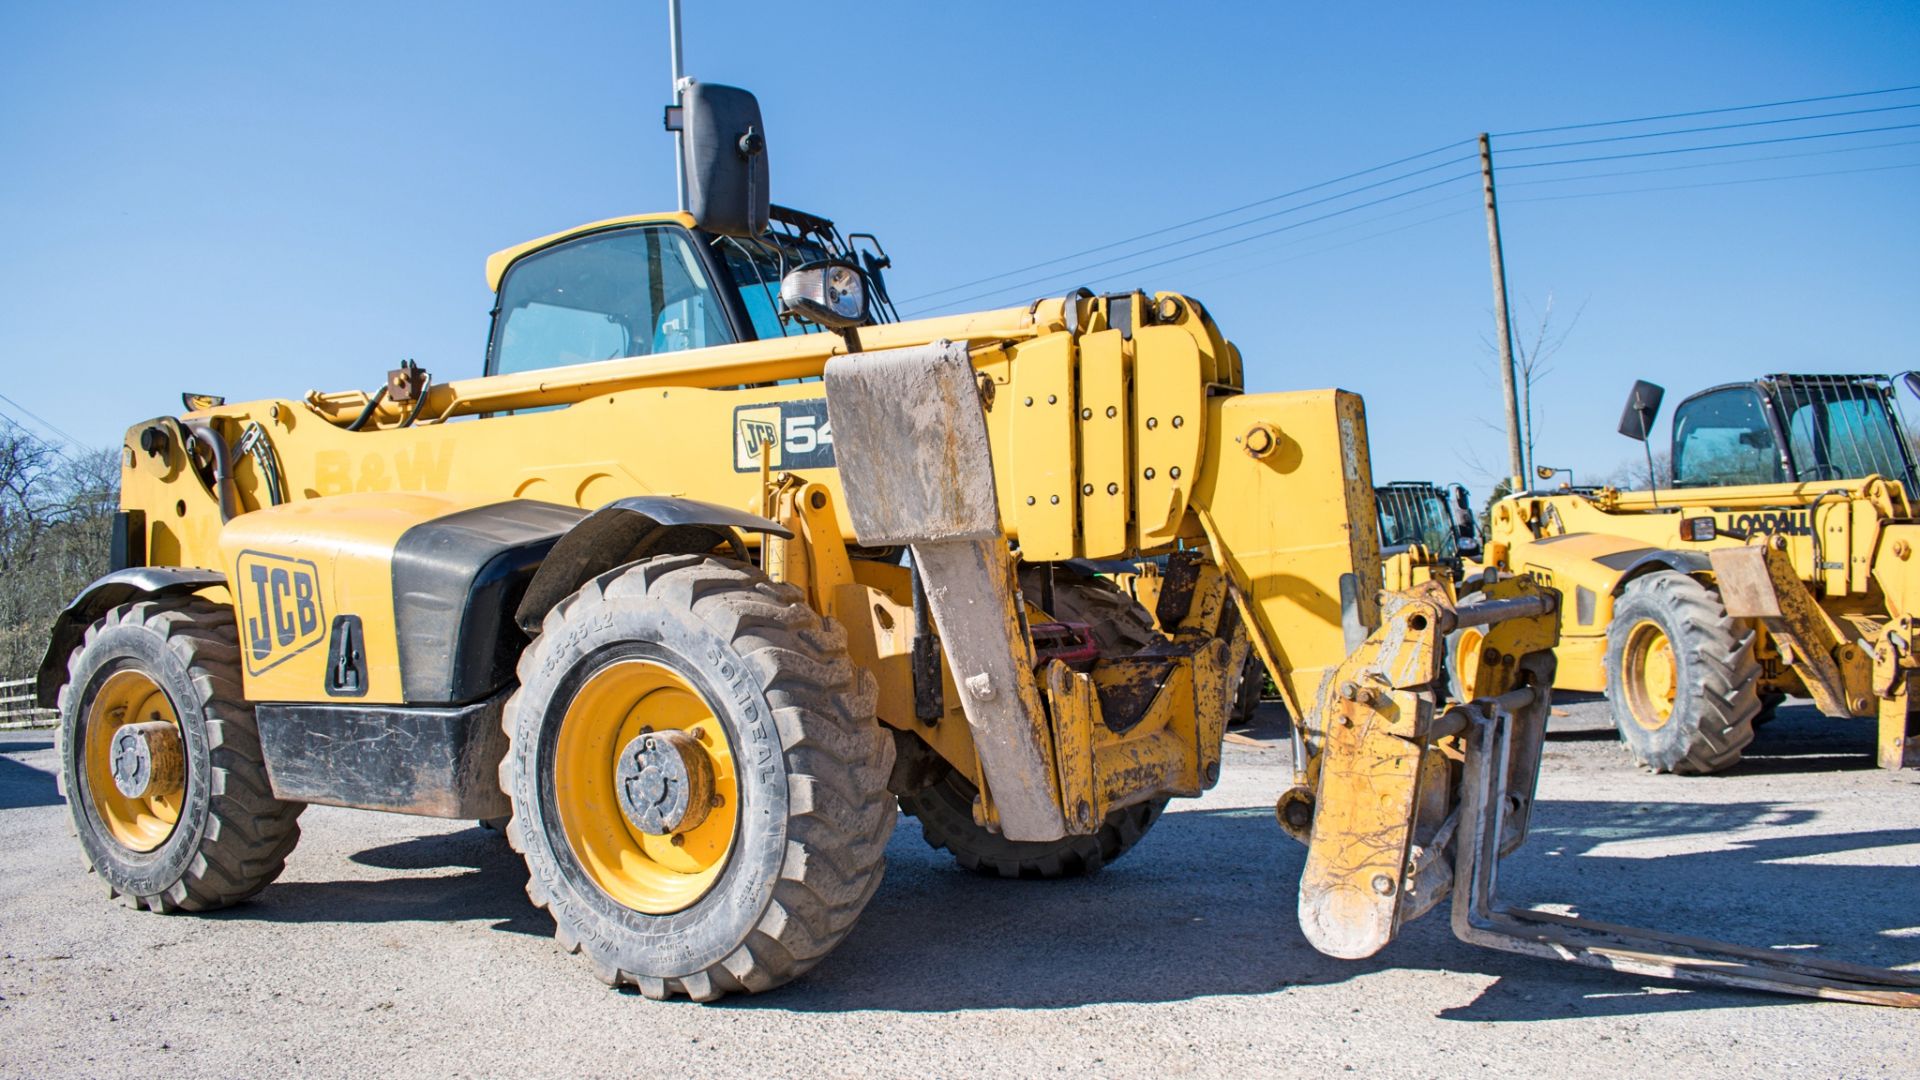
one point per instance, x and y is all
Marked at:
(1515, 458)
(679, 138)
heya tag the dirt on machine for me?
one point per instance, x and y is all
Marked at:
(717, 567)
(1779, 561)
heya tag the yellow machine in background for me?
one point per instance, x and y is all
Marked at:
(716, 566)
(1427, 532)
(1780, 561)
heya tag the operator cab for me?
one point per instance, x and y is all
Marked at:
(730, 268)
(1416, 512)
(658, 284)
(1784, 429)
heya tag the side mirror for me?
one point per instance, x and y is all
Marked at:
(725, 145)
(830, 292)
(1912, 379)
(1643, 404)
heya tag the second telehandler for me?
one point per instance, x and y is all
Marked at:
(1779, 561)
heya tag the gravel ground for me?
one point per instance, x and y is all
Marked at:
(398, 945)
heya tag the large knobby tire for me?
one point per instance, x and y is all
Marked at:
(209, 833)
(945, 810)
(772, 877)
(1681, 677)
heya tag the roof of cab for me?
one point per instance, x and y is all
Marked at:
(498, 262)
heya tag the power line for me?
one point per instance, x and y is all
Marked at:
(1457, 212)
(1248, 239)
(1195, 221)
(1715, 183)
(1712, 146)
(1704, 112)
(1097, 264)
(1711, 127)
(1707, 164)
(1424, 204)
(43, 422)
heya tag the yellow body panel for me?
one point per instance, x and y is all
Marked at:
(298, 566)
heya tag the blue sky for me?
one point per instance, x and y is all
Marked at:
(262, 199)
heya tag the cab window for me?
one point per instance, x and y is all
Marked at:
(1722, 438)
(629, 292)
(1839, 432)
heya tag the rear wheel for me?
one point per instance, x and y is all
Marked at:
(1681, 677)
(162, 764)
(1120, 625)
(698, 782)
(945, 810)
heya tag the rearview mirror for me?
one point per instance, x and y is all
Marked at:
(1912, 379)
(1643, 404)
(725, 147)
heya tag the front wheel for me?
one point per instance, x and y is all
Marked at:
(162, 763)
(1681, 677)
(697, 778)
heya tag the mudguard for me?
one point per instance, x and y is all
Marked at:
(629, 529)
(119, 587)
(1685, 562)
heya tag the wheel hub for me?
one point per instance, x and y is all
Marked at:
(146, 759)
(664, 780)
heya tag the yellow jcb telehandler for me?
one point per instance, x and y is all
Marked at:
(1427, 532)
(715, 568)
(1780, 560)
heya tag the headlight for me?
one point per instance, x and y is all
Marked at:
(830, 293)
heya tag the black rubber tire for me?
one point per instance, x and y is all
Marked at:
(814, 820)
(945, 811)
(1121, 627)
(1716, 676)
(233, 836)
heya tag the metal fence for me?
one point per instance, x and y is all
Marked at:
(17, 708)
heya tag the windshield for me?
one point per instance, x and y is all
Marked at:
(1415, 514)
(625, 292)
(1842, 428)
(1722, 438)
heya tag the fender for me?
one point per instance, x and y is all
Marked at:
(1691, 563)
(628, 529)
(119, 587)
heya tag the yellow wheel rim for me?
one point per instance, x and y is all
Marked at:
(653, 874)
(139, 823)
(1466, 660)
(1651, 676)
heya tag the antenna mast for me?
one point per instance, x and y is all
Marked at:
(679, 77)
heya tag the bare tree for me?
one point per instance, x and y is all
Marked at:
(55, 510)
(1632, 474)
(1533, 354)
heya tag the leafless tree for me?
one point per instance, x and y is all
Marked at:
(1533, 353)
(55, 509)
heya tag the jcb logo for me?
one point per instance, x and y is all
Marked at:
(755, 434)
(787, 434)
(281, 613)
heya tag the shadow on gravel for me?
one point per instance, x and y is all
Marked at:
(493, 888)
(1205, 908)
(1798, 740)
(22, 785)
